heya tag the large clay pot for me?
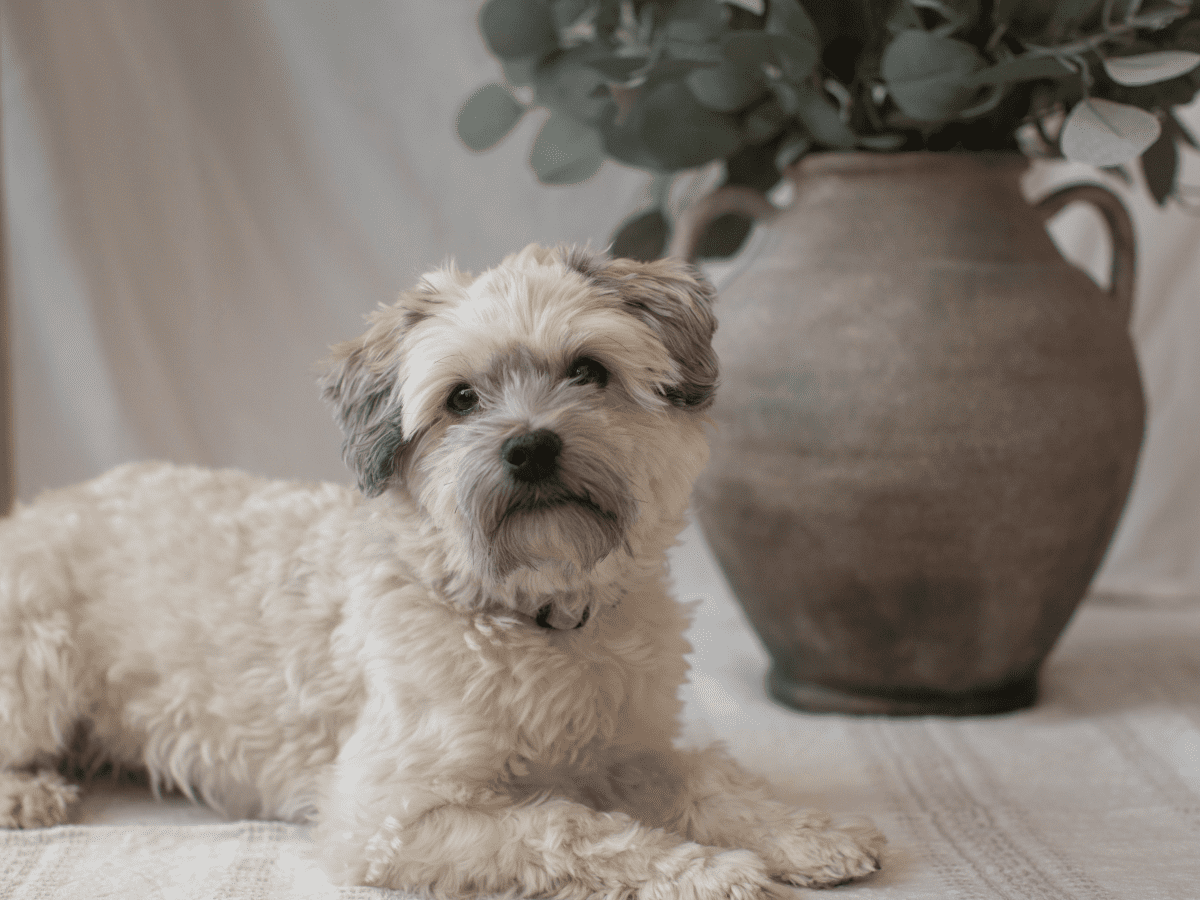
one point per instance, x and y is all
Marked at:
(927, 426)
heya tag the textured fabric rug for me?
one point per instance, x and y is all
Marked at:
(243, 860)
(1094, 794)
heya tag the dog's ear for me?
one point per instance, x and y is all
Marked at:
(362, 384)
(676, 301)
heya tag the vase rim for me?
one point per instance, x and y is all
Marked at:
(865, 162)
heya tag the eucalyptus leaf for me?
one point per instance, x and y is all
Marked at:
(694, 29)
(1104, 133)
(707, 53)
(690, 31)
(1150, 68)
(724, 236)
(787, 95)
(926, 74)
(820, 116)
(904, 17)
(1160, 167)
(568, 84)
(793, 146)
(753, 166)
(617, 68)
(764, 121)
(517, 28)
(569, 13)
(678, 129)
(727, 87)
(792, 56)
(566, 151)
(643, 236)
(520, 71)
(669, 69)
(1180, 130)
(1070, 14)
(788, 17)
(708, 16)
(488, 115)
(623, 142)
(953, 18)
(1159, 12)
(755, 6)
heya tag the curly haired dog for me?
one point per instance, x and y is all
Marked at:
(466, 671)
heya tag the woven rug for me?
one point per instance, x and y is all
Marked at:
(242, 860)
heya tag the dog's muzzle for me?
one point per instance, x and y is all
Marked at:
(536, 499)
(543, 617)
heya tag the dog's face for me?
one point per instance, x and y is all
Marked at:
(545, 418)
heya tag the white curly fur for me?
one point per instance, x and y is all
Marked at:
(303, 652)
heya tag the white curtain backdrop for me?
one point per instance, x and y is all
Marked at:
(202, 196)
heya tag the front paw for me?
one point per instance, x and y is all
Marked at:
(34, 799)
(702, 873)
(816, 854)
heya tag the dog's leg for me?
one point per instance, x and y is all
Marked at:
(710, 799)
(37, 702)
(556, 848)
(385, 821)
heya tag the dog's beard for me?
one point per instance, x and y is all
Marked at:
(572, 521)
(573, 531)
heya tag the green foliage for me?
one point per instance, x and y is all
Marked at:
(643, 236)
(679, 131)
(929, 75)
(514, 29)
(488, 115)
(668, 85)
(1105, 133)
(1160, 162)
(566, 151)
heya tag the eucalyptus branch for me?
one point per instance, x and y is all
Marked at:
(670, 87)
(1111, 30)
(1073, 49)
(1085, 72)
(1106, 16)
(993, 41)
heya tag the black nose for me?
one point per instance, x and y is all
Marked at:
(532, 457)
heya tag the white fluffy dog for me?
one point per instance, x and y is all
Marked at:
(466, 671)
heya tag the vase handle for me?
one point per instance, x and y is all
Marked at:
(1120, 227)
(729, 199)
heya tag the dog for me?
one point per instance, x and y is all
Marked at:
(465, 672)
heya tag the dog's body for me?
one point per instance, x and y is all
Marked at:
(467, 671)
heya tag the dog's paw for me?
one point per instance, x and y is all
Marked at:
(819, 855)
(34, 799)
(711, 875)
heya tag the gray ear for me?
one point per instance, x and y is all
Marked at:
(363, 389)
(674, 299)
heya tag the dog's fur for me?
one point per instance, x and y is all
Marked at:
(465, 674)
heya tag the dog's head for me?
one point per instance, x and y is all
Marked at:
(545, 418)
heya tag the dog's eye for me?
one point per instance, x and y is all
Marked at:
(586, 370)
(462, 399)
